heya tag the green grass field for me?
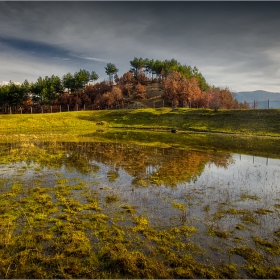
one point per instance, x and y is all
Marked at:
(259, 122)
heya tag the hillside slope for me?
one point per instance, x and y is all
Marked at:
(153, 98)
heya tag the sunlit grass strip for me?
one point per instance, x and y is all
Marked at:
(247, 122)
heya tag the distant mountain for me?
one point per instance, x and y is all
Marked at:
(263, 98)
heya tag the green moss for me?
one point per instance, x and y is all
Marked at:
(120, 262)
(248, 196)
(263, 272)
(141, 223)
(228, 271)
(271, 247)
(237, 239)
(249, 254)
(218, 233)
(113, 176)
(233, 211)
(179, 206)
(129, 209)
(187, 231)
(240, 227)
(111, 198)
(249, 219)
(263, 211)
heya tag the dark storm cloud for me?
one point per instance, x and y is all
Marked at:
(232, 43)
(38, 48)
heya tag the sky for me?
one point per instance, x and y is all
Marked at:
(233, 44)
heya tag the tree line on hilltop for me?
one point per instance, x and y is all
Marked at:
(182, 85)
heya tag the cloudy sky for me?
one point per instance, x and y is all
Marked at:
(234, 44)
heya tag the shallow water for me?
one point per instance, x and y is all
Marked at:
(170, 187)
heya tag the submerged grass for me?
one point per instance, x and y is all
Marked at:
(218, 233)
(65, 231)
(271, 247)
(256, 264)
(49, 234)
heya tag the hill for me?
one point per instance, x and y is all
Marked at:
(261, 97)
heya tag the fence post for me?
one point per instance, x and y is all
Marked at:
(10, 110)
(268, 104)
(84, 107)
(60, 108)
(31, 109)
(68, 107)
(51, 108)
(20, 110)
(42, 109)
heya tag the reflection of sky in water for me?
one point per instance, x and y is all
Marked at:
(256, 175)
(124, 178)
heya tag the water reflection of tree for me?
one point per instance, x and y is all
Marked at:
(148, 165)
(151, 165)
(178, 166)
(45, 154)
